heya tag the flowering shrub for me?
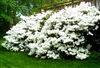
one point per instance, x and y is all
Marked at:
(53, 34)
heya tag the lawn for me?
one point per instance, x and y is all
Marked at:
(10, 59)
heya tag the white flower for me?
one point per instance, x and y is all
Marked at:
(81, 56)
(24, 17)
(14, 49)
(72, 53)
(32, 48)
(89, 33)
(67, 40)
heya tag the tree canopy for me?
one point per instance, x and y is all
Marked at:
(10, 10)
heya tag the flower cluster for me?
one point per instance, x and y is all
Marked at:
(53, 34)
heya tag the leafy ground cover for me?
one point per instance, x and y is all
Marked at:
(10, 59)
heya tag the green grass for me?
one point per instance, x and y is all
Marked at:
(10, 59)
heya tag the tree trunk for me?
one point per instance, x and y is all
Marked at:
(9, 14)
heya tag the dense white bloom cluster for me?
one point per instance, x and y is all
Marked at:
(52, 34)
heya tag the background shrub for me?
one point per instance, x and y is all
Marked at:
(56, 34)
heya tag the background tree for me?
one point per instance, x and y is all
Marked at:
(8, 11)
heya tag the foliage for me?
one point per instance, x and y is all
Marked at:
(8, 13)
(55, 34)
(10, 10)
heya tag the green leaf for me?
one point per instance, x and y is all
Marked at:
(8, 18)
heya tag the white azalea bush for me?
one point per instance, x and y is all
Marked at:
(54, 34)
